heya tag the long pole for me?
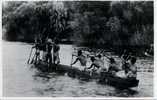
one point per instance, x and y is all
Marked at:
(71, 61)
(33, 58)
(29, 56)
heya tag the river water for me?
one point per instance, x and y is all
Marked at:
(19, 80)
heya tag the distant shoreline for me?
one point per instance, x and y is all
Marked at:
(138, 51)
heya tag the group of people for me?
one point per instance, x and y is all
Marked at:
(97, 62)
(97, 65)
(46, 50)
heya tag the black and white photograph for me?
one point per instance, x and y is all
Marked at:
(94, 49)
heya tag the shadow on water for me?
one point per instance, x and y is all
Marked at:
(125, 92)
(48, 77)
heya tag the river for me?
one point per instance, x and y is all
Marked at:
(19, 79)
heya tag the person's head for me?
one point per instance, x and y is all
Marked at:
(133, 60)
(79, 52)
(99, 56)
(151, 45)
(112, 60)
(92, 59)
(49, 40)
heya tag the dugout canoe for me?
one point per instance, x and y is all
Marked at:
(103, 78)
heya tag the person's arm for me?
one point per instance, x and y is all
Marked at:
(34, 46)
(90, 66)
(75, 61)
(74, 55)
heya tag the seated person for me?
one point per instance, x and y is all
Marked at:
(132, 73)
(101, 62)
(96, 66)
(113, 68)
(125, 61)
(125, 66)
(81, 58)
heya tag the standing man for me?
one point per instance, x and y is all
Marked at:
(56, 48)
(49, 46)
(36, 57)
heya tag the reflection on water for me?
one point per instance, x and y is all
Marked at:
(21, 80)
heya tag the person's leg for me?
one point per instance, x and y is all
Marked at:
(32, 61)
(50, 58)
(46, 58)
(54, 59)
(58, 59)
(36, 57)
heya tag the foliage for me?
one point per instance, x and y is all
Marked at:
(33, 19)
(95, 23)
